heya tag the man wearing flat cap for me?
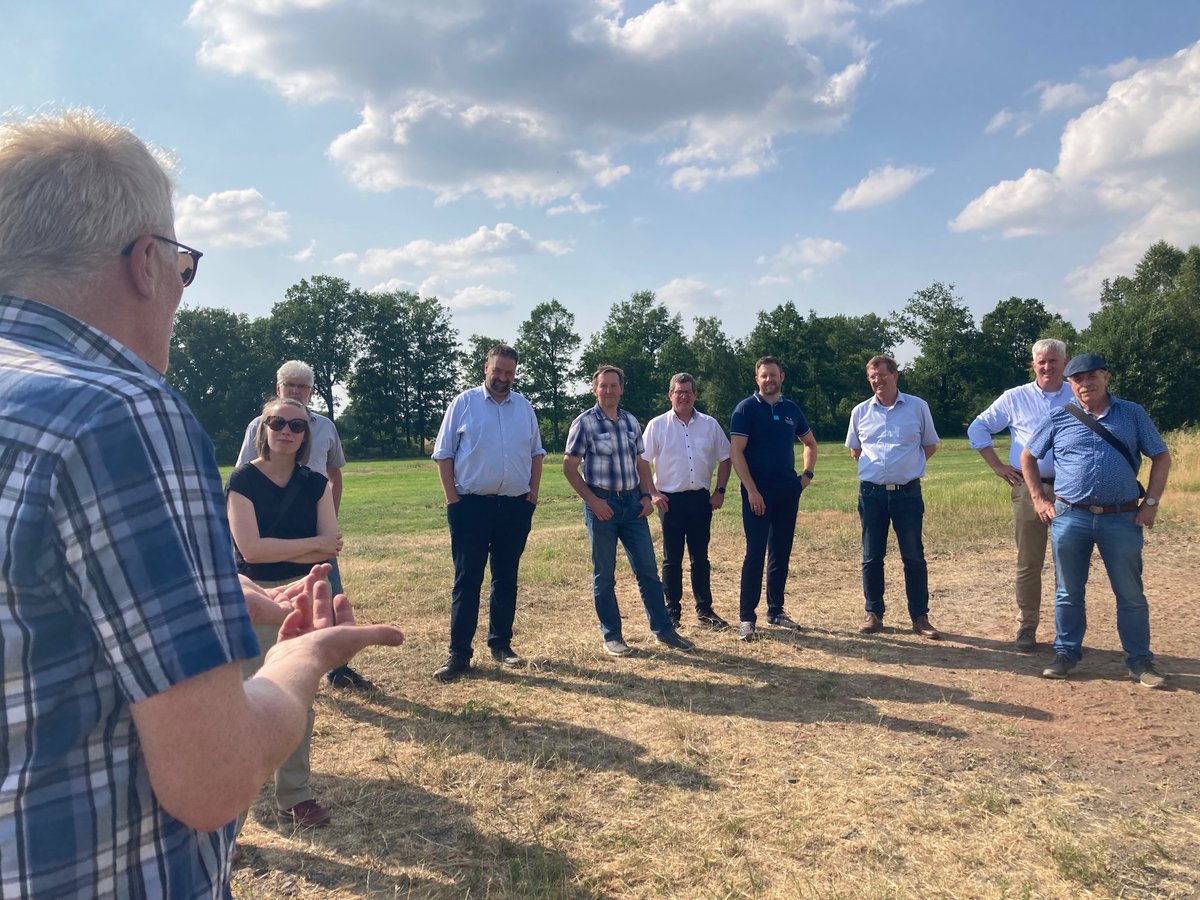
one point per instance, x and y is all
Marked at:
(1098, 442)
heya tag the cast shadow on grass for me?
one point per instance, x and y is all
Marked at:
(540, 743)
(424, 832)
(1098, 664)
(778, 692)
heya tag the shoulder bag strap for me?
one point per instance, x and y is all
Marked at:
(1091, 423)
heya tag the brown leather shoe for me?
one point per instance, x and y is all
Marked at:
(872, 624)
(307, 812)
(922, 627)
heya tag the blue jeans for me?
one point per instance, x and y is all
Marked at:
(1073, 533)
(486, 529)
(769, 535)
(904, 509)
(633, 531)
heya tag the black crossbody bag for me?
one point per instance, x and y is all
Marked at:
(1107, 435)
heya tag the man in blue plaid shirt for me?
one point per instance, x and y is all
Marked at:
(604, 465)
(130, 742)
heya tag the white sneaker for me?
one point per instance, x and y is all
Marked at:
(746, 631)
(617, 647)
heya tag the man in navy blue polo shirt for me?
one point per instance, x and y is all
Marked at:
(891, 435)
(1096, 505)
(762, 434)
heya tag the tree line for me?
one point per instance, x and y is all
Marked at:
(398, 359)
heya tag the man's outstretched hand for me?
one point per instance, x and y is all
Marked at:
(323, 624)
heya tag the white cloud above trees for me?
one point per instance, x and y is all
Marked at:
(882, 185)
(800, 259)
(230, 219)
(1131, 157)
(452, 97)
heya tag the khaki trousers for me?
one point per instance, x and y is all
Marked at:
(1031, 534)
(291, 778)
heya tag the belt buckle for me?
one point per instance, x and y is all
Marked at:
(1096, 510)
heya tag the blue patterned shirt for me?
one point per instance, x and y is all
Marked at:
(609, 449)
(117, 582)
(1087, 468)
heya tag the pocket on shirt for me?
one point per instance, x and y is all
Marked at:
(603, 444)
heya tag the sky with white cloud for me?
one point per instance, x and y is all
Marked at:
(729, 155)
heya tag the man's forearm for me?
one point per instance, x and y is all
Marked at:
(743, 470)
(445, 469)
(335, 484)
(1031, 474)
(1160, 467)
(575, 478)
(723, 471)
(535, 475)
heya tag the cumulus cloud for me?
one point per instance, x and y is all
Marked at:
(484, 251)
(1131, 157)
(881, 186)
(454, 97)
(690, 296)
(800, 259)
(239, 219)
(480, 296)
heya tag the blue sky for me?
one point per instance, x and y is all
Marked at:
(729, 155)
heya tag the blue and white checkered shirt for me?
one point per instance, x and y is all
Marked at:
(609, 449)
(116, 582)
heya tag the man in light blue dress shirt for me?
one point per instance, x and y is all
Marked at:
(1021, 410)
(891, 436)
(489, 457)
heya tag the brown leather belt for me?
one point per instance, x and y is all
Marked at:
(1102, 510)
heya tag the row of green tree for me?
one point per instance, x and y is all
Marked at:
(398, 359)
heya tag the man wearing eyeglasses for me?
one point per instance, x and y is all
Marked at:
(489, 456)
(131, 741)
(294, 381)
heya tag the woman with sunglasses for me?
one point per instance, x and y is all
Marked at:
(283, 522)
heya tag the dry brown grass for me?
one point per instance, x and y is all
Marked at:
(821, 764)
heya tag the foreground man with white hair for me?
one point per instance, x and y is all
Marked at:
(131, 741)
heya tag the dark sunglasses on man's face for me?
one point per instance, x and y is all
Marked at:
(275, 423)
(189, 259)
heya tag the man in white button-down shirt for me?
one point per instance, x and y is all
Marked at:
(685, 446)
(1020, 410)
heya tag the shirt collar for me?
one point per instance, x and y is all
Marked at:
(51, 327)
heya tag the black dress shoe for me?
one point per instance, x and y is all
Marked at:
(506, 657)
(346, 677)
(452, 668)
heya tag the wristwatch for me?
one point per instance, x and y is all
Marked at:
(721, 490)
(807, 473)
(645, 496)
(1150, 501)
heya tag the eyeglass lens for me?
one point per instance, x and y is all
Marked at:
(276, 424)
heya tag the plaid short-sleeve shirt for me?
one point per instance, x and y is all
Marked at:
(609, 450)
(116, 582)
